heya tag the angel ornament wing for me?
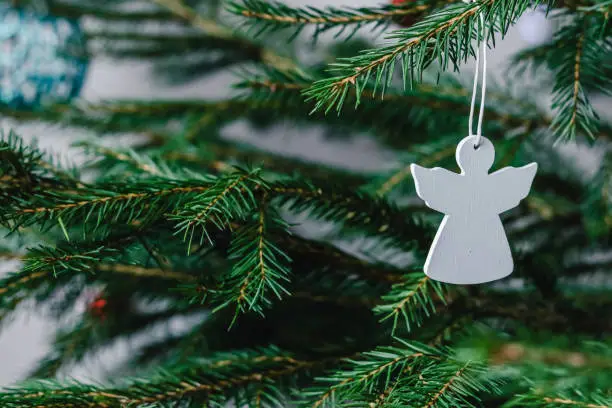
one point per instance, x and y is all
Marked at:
(471, 245)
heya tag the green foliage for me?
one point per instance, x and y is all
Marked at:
(578, 58)
(260, 266)
(411, 301)
(230, 198)
(561, 400)
(240, 375)
(266, 16)
(25, 169)
(43, 267)
(238, 273)
(411, 374)
(443, 36)
(94, 207)
(577, 72)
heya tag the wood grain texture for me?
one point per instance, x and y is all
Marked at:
(471, 246)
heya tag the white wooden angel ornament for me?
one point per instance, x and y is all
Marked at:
(471, 245)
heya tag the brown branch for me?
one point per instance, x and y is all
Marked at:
(136, 270)
(382, 397)
(23, 279)
(190, 15)
(445, 387)
(565, 401)
(260, 252)
(356, 18)
(577, 67)
(119, 197)
(433, 90)
(412, 294)
(509, 120)
(410, 44)
(11, 256)
(204, 213)
(189, 388)
(222, 385)
(212, 28)
(122, 157)
(325, 396)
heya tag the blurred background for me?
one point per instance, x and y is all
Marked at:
(25, 338)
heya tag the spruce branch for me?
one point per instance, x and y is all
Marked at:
(444, 36)
(239, 375)
(26, 168)
(375, 367)
(395, 109)
(48, 269)
(442, 392)
(45, 267)
(107, 14)
(411, 300)
(260, 266)
(411, 374)
(145, 272)
(199, 53)
(575, 399)
(460, 385)
(273, 81)
(579, 67)
(184, 11)
(236, 195)
(130, 159)
(264, 16)
(230, 198)
(125, 203)
(317, 264)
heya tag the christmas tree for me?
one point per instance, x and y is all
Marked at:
(300, 282)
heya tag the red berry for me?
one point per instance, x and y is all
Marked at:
(97, 307)
(98, 304)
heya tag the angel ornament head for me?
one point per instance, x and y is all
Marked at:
(471, 245)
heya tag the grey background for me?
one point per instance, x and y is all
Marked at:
(25, 339)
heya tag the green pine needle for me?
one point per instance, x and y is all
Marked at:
(444, 36)
(260, 269)
(231, 198)
(411, 301)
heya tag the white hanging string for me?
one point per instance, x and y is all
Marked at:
(481, 30)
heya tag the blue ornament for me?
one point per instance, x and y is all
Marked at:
(42, 58)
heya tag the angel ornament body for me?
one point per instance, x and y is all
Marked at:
(471, 245)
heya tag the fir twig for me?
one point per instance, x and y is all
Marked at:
(182, 10)
(579, 67)
(231, 198)
(213, 380)
(265, 16)
(564, 400)
(444, 35)
(411, 300)
(260, 265)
